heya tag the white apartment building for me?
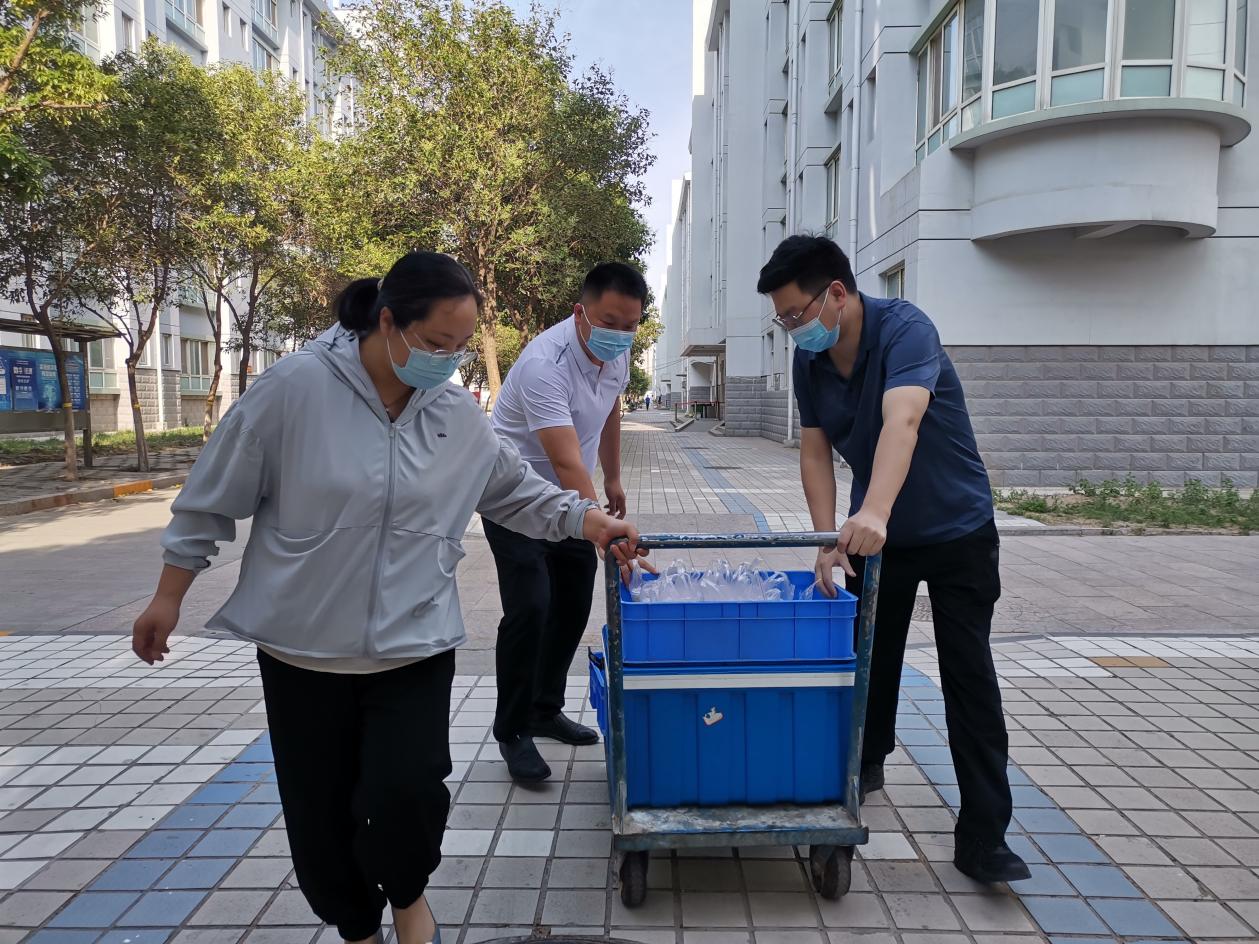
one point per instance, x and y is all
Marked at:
(176, 367)
(1068, 188)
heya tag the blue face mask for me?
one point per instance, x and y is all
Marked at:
(607, 344)
(424, 369)
(815, 336)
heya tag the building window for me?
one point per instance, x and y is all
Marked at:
(1149, 27)
(1051, 53)
(127, 27)
(146, 359)
(894, 282)
(1015, 57)
(168, 351)
(1079, 51)
(835, 29)
(834, 188)
(227, 20)
(100, 366)
(264, 61)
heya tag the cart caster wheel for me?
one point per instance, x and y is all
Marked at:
(633, 879)
(830, 867)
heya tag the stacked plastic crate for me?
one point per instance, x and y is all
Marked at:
(735, 703)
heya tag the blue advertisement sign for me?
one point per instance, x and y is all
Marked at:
(76, 376)
(28, 381)
(46, 384)
(6, 385)
(22, 376)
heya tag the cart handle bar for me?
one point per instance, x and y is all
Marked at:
(754, 539)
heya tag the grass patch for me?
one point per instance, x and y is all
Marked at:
(1129, 502)
(26, 451)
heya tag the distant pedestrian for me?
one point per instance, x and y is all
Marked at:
(647, 402)
(873, 383)
(560, 406)
(361, 467)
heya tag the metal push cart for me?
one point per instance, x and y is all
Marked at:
(832, 831)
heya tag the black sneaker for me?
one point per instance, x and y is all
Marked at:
(523, 760)
(871, 779)
(565, 730)
(989, 864)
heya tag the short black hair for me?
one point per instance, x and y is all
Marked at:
(812, 262)
(614, 277)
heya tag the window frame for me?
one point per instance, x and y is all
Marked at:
(897, 272)
(834, 189)
(835, 39)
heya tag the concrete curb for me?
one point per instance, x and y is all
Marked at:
(94, 493)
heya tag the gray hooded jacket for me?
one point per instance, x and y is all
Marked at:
(356, 521)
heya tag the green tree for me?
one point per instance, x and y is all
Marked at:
(43, 78)
(248, 210)
(49, 238)
(161, 136)
(472, 137)
(639, 382)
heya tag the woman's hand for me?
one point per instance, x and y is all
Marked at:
(153, 628)
(601, 529)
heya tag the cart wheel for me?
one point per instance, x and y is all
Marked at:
(633, 879)
(831, 870)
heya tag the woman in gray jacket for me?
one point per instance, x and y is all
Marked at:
(361, 467)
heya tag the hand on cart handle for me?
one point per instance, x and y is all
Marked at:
(863, 535)
(604, 531)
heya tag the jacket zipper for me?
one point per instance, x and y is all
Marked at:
(380, 546)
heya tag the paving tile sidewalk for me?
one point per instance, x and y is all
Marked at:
(139, 806)
(26, 488)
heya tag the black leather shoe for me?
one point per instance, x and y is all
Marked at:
(565, 730)
(524, 763)
(989, 864)
(871, 779)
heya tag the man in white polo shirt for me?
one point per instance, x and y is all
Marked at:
(560, 407)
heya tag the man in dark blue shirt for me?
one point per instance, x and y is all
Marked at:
(873, 383)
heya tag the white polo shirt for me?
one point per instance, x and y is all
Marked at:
(554, 383)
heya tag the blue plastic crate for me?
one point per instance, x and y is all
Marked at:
(780, 631)
(737, 734)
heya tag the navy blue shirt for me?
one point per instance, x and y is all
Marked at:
(946, 494)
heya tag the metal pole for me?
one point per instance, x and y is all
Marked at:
(615, 666)
(861, 682)
(87, 404)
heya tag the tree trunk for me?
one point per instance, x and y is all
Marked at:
(489, 324)
(213, 393)
(137, 415)
(67, 407)
(246, 353)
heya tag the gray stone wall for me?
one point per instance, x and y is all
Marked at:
(1048, 416)
(743, 405)
(105, 412)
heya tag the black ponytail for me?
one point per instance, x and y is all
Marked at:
(416, 281)
(356, 306)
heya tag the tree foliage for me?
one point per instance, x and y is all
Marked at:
(473, 136)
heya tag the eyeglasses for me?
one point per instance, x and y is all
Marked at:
(460, 358)
(791, 322)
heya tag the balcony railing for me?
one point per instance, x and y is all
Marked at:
(188, 294)
(194, 385)
(184, 24)
(267, 29)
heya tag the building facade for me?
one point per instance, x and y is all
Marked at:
(175, 369)
(1069, 188)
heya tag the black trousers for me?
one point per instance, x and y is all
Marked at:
(361, 761)
(546, 589)
(964, 583)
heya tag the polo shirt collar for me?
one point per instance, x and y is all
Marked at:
(871, 319)
(582, 359)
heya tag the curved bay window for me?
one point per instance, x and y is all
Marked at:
(985, 60)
